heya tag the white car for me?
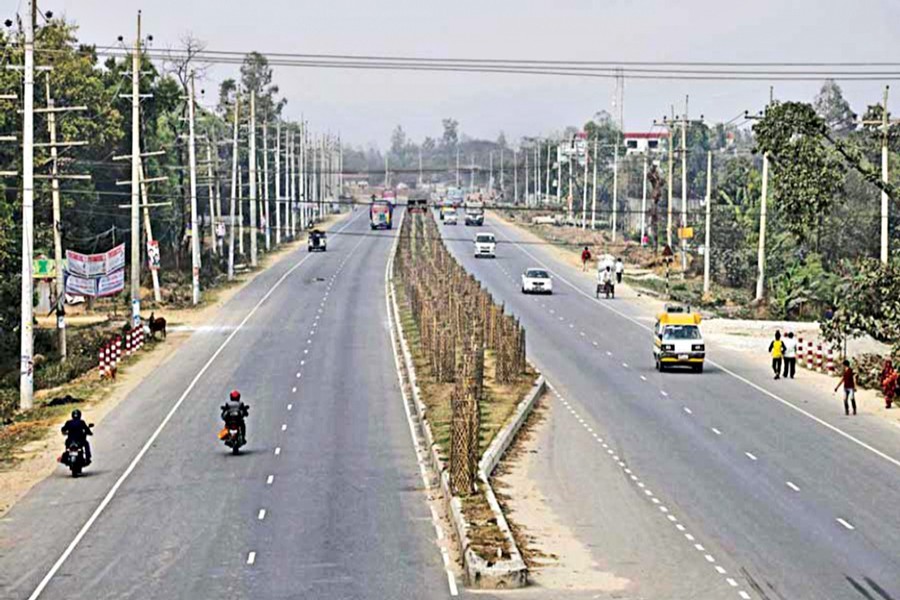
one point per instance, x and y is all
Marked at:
(485, 245)
(450, 218)
(536, 281)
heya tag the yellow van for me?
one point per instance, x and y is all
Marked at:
(678, 341)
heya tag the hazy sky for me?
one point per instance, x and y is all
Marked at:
(366, 105)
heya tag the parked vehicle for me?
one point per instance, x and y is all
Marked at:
(485, 245)
(536, 281)
(677, 340)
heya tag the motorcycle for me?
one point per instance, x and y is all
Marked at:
(231, 434)
(73, 457)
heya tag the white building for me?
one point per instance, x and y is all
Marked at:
(644, 142)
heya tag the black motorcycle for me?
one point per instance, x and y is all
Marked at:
(73, 456)
(607, 288)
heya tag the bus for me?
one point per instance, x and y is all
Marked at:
(381, 213)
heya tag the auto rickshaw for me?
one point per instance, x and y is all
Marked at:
(316, 241)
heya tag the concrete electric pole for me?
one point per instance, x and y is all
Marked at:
(254, 258)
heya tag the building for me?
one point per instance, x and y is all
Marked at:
(644, 141)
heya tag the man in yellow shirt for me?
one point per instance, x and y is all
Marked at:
(776, 349)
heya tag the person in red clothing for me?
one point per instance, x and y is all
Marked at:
(585, 258)
(848, 380)
(889, 379)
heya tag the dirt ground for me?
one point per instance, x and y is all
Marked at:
(36, 460)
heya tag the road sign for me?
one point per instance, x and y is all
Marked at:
(667, 253)
(685, 233)
(44, 268)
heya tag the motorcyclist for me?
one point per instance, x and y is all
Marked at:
(236, 410)
(77, 432)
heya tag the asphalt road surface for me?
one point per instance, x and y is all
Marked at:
(715, 485)
(326, 501)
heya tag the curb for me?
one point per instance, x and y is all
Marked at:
(480, 573)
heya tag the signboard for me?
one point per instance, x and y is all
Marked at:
(685, 233)
(44, 268)
(667, 253)
(153, 254)
(95, 265)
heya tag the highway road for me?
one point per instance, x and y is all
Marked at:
(720, 485)
(326, 501)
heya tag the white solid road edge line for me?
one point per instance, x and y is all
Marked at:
(392, 327)
(724, 369)
(140, 455)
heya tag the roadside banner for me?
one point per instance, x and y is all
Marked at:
(113, 283)
(152, 254)
(44, 268)
(95, 265)
(80, 286)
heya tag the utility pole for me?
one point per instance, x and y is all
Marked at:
(502, 194)
(615, 198)
(547, 174)
(145, 200)
(26, 372)
(278, 198)
(525, 152)
(195, 226)
(491, 170)
(644, 200)
(135, 178)
(684, 190)
(584, 195)
(51, 111)
(671, 167)
(515, 176)
(472, 174)
(706, 251)
(234, 184)
(254, 258)
(594, 190)
(210, 188)
(885, 125)
(290, 183)
(761, 256)
(265, 191)
(457, 166)
(241, 210)
(559, 177)
(537, 172)
(419, 182)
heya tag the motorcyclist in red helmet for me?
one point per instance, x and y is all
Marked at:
(235, 410)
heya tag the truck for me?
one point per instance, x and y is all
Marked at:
(474, 210)
(381, 214)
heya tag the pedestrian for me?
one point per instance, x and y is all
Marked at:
(790, 355)
(889, 380)
(585, 258)
(776, 349)
(620, 269)
(849, 382)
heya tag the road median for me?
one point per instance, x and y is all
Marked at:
(470, 364)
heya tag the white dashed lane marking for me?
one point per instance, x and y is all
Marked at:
(750, 455)
(709, 558)
(262, 514)
(277, 451)
(270, 479)
(792, 485)
(716, 431)
(251, 558)
(845, 524)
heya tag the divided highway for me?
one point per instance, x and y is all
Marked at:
(325, 502)
(727, 488)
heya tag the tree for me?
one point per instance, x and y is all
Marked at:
(806, 174)
(398, 143)
(831, 106)
(451, 133)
